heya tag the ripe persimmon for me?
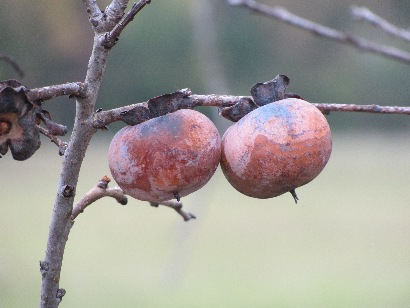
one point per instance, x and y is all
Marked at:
(276, 148)
(166, 157)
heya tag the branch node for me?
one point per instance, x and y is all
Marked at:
(103, 183)
(44, 266)
(68, 191)
(60, 294)
(96, 193)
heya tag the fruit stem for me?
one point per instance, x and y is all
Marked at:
(176, 195)
(294, 195)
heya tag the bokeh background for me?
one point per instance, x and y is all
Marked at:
(346, 244)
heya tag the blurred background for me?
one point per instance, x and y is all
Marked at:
(345, 244)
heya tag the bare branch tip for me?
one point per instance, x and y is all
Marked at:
(123, 201)
(70, 89)
(189, 216)
(177, 206)
(103, 183)
(105, 179)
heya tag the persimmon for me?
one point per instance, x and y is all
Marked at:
(166, 157)
(276, 148)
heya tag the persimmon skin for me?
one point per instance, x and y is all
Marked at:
(276, 148)
(165, 157)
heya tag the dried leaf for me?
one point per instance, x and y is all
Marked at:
(270, 91)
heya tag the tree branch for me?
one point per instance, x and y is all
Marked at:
(50, 92)
(364, 14)
(61, 223)
(112, 37)
(327, 108)
(284, 15)
(177, 206)
(13, 64)
(99, 191)
(138, 113)
(62, 146)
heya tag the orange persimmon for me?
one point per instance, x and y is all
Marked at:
(166, 157)
(276, 148)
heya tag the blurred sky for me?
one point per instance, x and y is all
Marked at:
(211, 47)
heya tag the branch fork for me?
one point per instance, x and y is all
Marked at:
(112, 36)
(102, 190)
(99, 191)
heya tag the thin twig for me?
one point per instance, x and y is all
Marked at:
(327, 108)
(284, 15)
(13, 64)
(97, 192)
(364, 14)
(101, 190)
(112, 37)
(177, 206)
(104, 118)
(62, 146)
(50, 92)
(213, 100)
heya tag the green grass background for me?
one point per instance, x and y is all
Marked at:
(346, 244)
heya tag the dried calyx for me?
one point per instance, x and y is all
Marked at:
(262, 93)
(18, 121)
